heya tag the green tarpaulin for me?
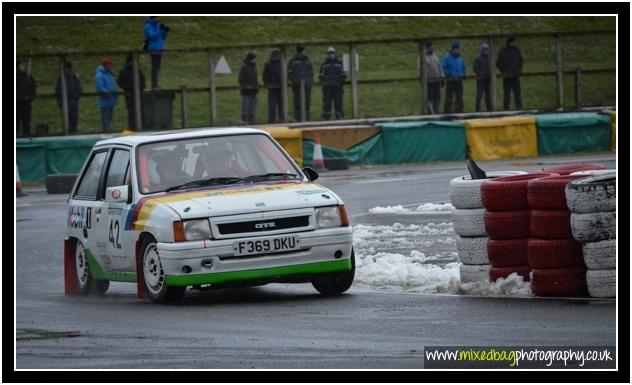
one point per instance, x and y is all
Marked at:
(38, 157)
(567, 133)
(366, 153)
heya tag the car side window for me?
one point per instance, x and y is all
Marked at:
(118, 168)
(89, 184)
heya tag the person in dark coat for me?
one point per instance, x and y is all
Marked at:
(249, 87)
(482, 69)
(510, 63)
(25, 92)
(74, 89)
(300, 68)
(332, 78)
(272, 81)
(125, 81)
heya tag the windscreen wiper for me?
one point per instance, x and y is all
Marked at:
(268, 175)
(202, 182)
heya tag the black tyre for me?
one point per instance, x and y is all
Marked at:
(335, 283)
(100, 286)
(153, 275)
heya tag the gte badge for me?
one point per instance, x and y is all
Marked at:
(265, 225)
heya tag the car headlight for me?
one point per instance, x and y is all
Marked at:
(328, 217)
(197, 229)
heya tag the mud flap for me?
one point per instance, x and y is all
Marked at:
(140, 287)
(70, 275)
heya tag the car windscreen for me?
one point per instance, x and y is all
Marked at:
(167, 164)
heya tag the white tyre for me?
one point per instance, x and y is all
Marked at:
(600, 255)
(474, 273)
(469, 222)
(465, 192)
(602, 283)
(592, 194)
(594, 227)
(472, 250)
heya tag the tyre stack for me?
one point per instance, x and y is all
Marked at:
(554, 256)
(468, 222)
(507, 223)
(592, 201)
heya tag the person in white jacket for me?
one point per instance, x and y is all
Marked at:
(434, 79)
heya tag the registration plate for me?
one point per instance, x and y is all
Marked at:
(266, 246)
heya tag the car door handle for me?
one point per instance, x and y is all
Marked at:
(97, 210)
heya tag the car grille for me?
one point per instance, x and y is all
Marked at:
(263, 225)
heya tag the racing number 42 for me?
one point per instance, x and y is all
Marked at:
(114, 224)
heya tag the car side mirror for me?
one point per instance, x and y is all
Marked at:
(312, 175)
(116, 194)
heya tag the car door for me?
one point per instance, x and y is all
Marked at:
(118, 240)
(86, 209)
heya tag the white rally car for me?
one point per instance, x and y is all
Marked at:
(205, 208)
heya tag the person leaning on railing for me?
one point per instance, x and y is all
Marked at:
(454, 71)
(249, 87)
(510, 64)
(74, 89)
(125, 81)
(434, 78)
(272, 81)
(104, 82)
(482, 69)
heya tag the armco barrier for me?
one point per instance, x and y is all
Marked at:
(613, 128)
(568, 133)
(498, 138)
(290, 139)
(412, 142)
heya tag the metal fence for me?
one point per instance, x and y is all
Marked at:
(389, 82)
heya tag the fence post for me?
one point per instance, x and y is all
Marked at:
(354, 81)
(578, 88)
(64, 94)
(303, 117)
(284, 112)
(184, 107)
(559, 73)
(423, 79)
(492, 75)
(137, 93)
(212, 88)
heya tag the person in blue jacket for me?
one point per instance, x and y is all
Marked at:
(454, 71)
(155, 35)
(106, 87)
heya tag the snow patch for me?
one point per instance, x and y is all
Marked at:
(423, 208)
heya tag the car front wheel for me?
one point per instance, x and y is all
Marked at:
(335, 283)
(154, 276)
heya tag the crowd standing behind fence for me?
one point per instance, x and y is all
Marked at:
(272, 81)
(332, 77)
(104, 83)
(249, 86)
(25, 91)
(74, 89)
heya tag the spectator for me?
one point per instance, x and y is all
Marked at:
(155, 35)
(25, 91)
(434, 78)
(104, 82)
(125, 81)
(249, 88)
(332, 78)
(272, 80)
(510, 63)
(454, 71)
(300, 68)
(74, 89)
(482, 68)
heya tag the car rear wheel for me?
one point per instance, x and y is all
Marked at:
(82, 270)
(335, 283)
(154, 276)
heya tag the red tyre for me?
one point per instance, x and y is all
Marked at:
(508, 193)
(550, 224)
(565, 170)
(507, 252)
(559, 282)
(507, 224)
(503, 272)
(549, 193)
(554, 253)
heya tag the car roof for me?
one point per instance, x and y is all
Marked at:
(147, 137)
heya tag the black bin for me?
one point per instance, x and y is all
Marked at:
(158, 110)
